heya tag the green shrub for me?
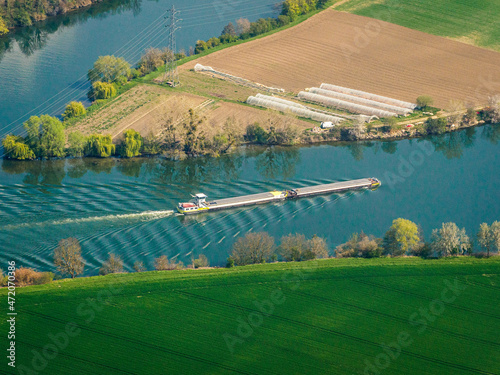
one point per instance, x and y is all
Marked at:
(424, 101)
(44, 278)
(74, 109)
(436, 125)
(256, 134)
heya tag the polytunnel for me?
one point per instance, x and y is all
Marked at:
(201, 68)
(279, 100)
(367, 95)
(362, 101)
(351, 107)
(287, 106)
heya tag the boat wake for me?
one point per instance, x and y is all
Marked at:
(141, 216)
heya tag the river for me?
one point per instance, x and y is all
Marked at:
(125, 206)
(44, 67)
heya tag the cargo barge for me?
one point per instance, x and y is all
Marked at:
(200, 204)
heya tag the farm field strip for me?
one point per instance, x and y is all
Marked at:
(330, 322)
(471, 21)
(398, 62)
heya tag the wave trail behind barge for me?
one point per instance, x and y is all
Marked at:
(200, 204)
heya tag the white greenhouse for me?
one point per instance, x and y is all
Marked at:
(367, 95)
(286, 106)
(351, 107)
(362, 101)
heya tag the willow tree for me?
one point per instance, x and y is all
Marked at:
(45, 136)
(109, 69)
(102, 90)
(100, 146)
(15, 148)
(53, 137)
(131, 144)
(77, 142)
(3, 27)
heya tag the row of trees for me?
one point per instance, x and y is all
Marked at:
(15, 13)
(68, 261)
(110, 72)
(46, 138)
(244, 29)
(256, 248)
(405, 238)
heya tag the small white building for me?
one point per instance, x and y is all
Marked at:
(327, 124)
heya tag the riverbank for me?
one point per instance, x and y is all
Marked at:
(225, 120)
(24, 13)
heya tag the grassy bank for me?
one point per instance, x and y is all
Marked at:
(474, 21)
(329, 316)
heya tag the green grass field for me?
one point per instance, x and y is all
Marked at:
(472, 21)
(325, 317)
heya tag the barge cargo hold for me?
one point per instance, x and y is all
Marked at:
(200, 204)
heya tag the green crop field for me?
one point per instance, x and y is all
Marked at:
(472, 21)
(335, 316)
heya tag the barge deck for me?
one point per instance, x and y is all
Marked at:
(200, 204)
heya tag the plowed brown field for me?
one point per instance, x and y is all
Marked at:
(390, 60)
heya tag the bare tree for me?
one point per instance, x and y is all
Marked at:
(293, 247)
(201, 261)
(242, 26)
(68, 257)
(151, 60)
(470, 117)
(456, 109)
(494, 108)
(253, 248)
(162, 263)
(139, 266)
(317, 247)
(114, 264)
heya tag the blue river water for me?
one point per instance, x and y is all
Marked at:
(126, 206)
(44, 67)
